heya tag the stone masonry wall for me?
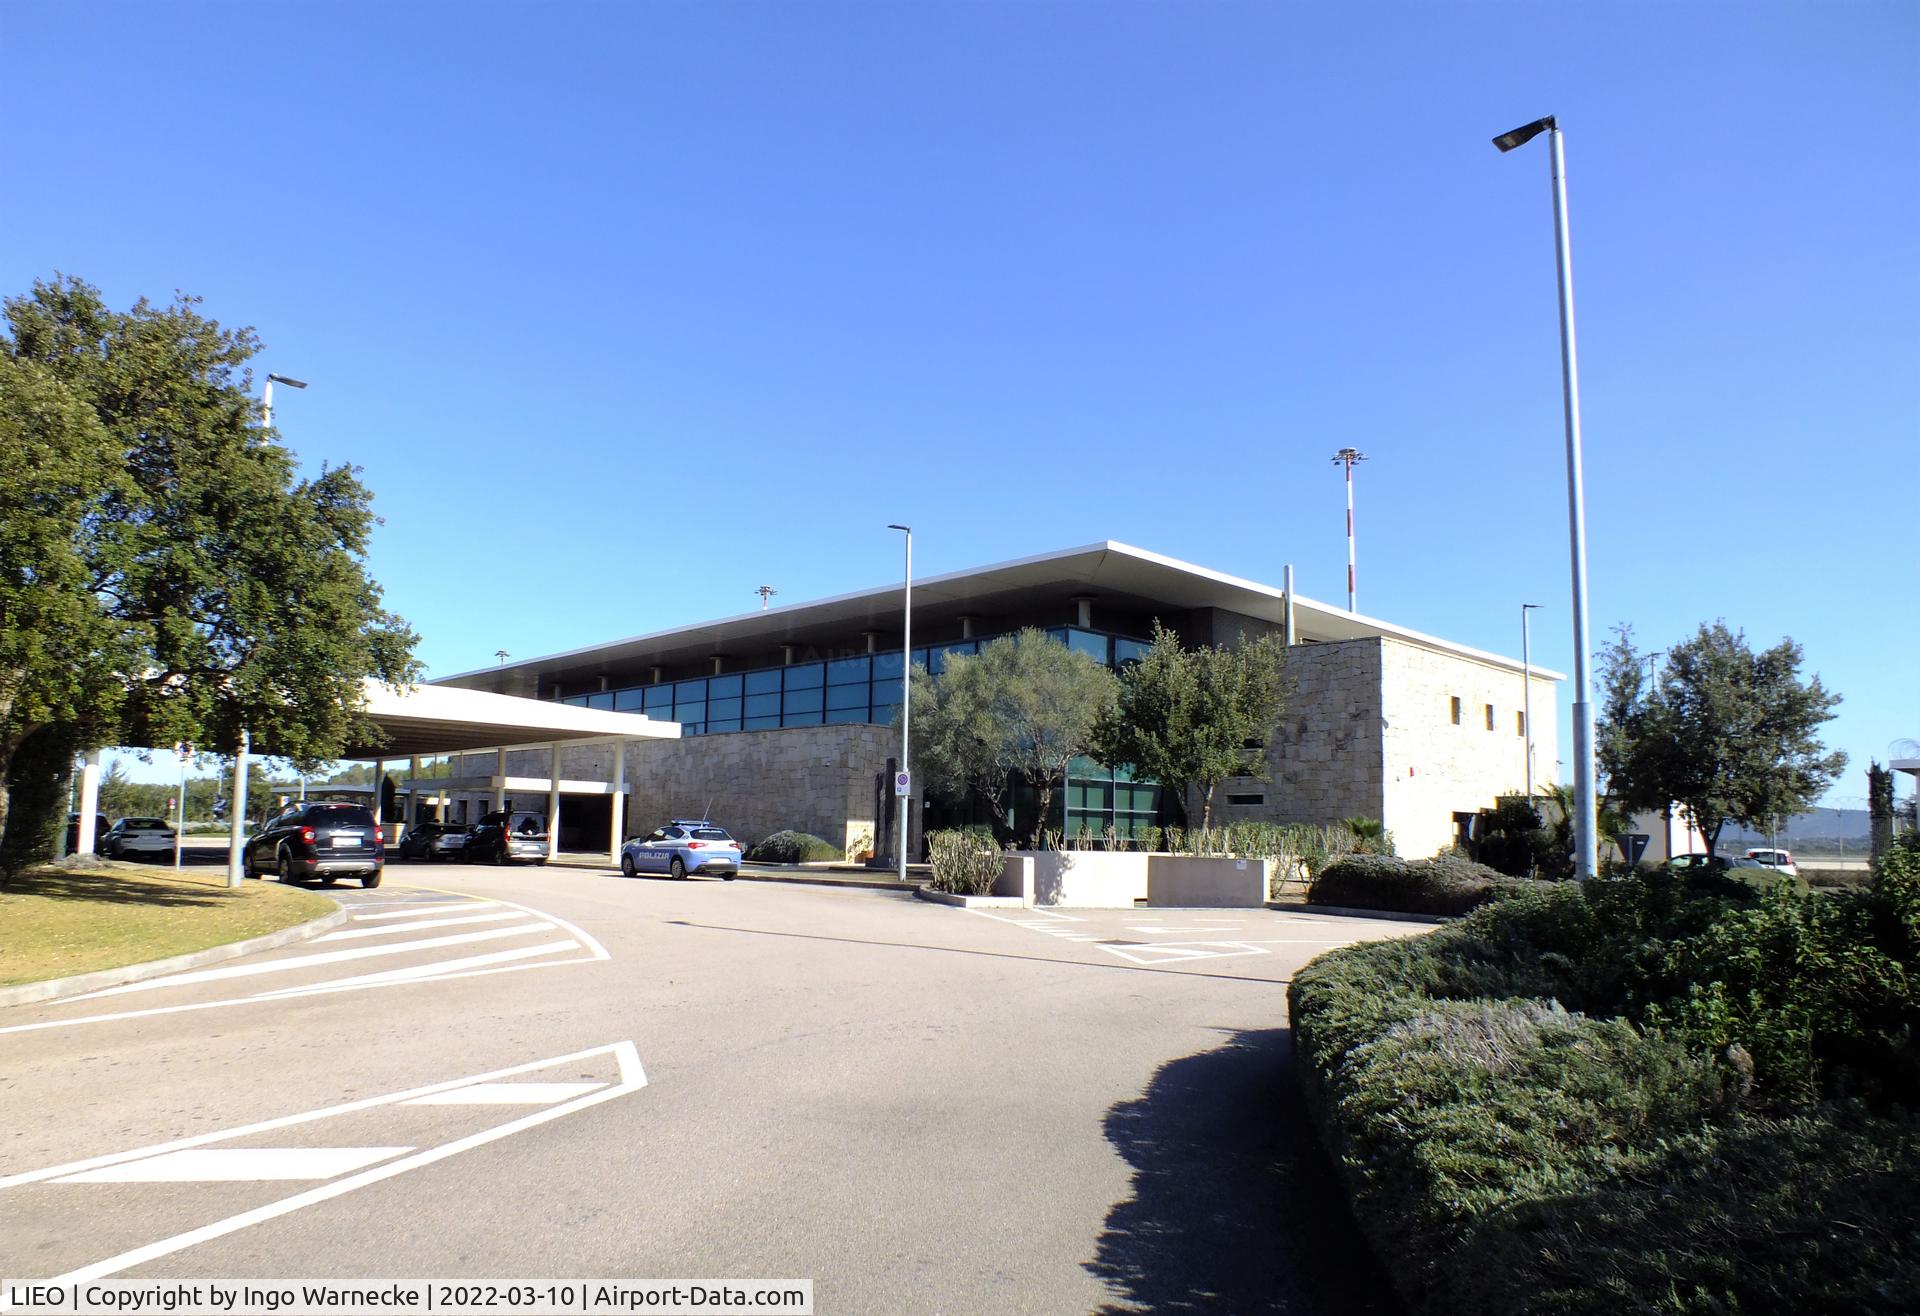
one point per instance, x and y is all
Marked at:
(1324, 763)
(1437, 768)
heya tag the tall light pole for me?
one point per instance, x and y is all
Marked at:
(1526, 693)
(903, 783)
(1347, 457)
(266, 397)
(1586, 847)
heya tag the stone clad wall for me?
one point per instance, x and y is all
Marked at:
(1324, 764)
(808, 779)
(1437, 769)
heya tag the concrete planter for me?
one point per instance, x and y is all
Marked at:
(1195, 882)
(1075, 879)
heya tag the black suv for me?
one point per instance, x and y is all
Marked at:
(501, 838)
(324, 840)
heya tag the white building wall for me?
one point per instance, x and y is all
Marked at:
(1435, 767)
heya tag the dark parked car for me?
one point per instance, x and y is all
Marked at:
(434, 841)
(501, 838)
(100, 828)
(324, 840)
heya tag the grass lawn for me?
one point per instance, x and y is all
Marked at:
(55, 922)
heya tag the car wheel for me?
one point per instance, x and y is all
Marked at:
(626, 865)
(371, 880)
(246, 865)
(726, 877)
(539, 863)
(678, 869)
(285, 868)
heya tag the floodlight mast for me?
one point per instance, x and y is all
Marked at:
(1347, 457)
(1586, 849)
(903, 789)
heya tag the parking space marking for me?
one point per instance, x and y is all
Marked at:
(77, 1174)
(507, 1094)
(309, 961)
(548, 954)
(391, 929)
(238, 1165)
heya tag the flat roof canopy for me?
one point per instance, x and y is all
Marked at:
(438, 719)
(1110, 572)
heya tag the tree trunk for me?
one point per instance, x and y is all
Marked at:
(1206, 805)
(1044, 813)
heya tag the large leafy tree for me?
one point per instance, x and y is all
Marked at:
(173, 540)
(1729, 733)
(1187, 717)
(1025, 707)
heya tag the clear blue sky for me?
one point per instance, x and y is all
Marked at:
(632, 308)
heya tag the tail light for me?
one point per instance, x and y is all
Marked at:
(380, 834)
(306, 834)
(696, 845)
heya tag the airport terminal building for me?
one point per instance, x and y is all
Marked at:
(785, 716)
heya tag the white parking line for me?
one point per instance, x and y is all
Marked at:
(239, 1165)
(390, 929)
(310, 961)
(414, 911)
(507, 1094)
(436, 969)
(632, 1078)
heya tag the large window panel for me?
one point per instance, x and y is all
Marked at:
(692, 710)
(602, 701)
(839, 715)
(628, 701)
(723, 687)
(660, 697)
(801, 719)
(763, 723)
(722, 710)
(1094, 646)
(845, 671)
(886, 665)
(760, 706)
(805, 676)
(690, 690)
(848, 696)
(801, 701)
(762, 683)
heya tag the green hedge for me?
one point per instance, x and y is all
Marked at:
(1445, 884)
(1632, 1096)
(793, 848)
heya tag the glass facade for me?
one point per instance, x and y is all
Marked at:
(866, 689)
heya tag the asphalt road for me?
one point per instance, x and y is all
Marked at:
(538, 1073)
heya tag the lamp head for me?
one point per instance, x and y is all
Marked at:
(907, 528)
(1524, 134)
(290, 383)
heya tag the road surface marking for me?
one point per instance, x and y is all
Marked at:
(633, 1077)
(437, 969)
(507, 1094)
(437, 907)
(390, 929)
(240, 1164)
(310, 961)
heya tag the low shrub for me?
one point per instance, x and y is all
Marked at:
(1448, 883)
(1641, 1095)
(965, 861)
(793, 848)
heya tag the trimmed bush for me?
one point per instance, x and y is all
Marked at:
(793, 848)
(1642, 1095)
(1446, 884)
(965, 861)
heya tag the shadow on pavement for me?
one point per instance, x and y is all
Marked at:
(1235, 1208)
(108, 887)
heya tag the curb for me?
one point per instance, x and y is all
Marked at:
(54, 988)
(821, 879)
(968, 902)
(1342, 911)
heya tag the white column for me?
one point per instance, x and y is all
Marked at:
(619, 810)
(499, 780)
(237, 808)
(553, 799)
(89, 801)
(379, 783)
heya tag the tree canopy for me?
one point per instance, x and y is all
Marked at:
(1730, 734)
(165, 573)
(1188, 717)
(1025, 706)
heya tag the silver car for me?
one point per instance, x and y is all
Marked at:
(683, 846)
(131, 836)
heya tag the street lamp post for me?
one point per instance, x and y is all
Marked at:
(1526, 694)
(266, 397)
(1586, 840)
(1347, 457)
(903, 786)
